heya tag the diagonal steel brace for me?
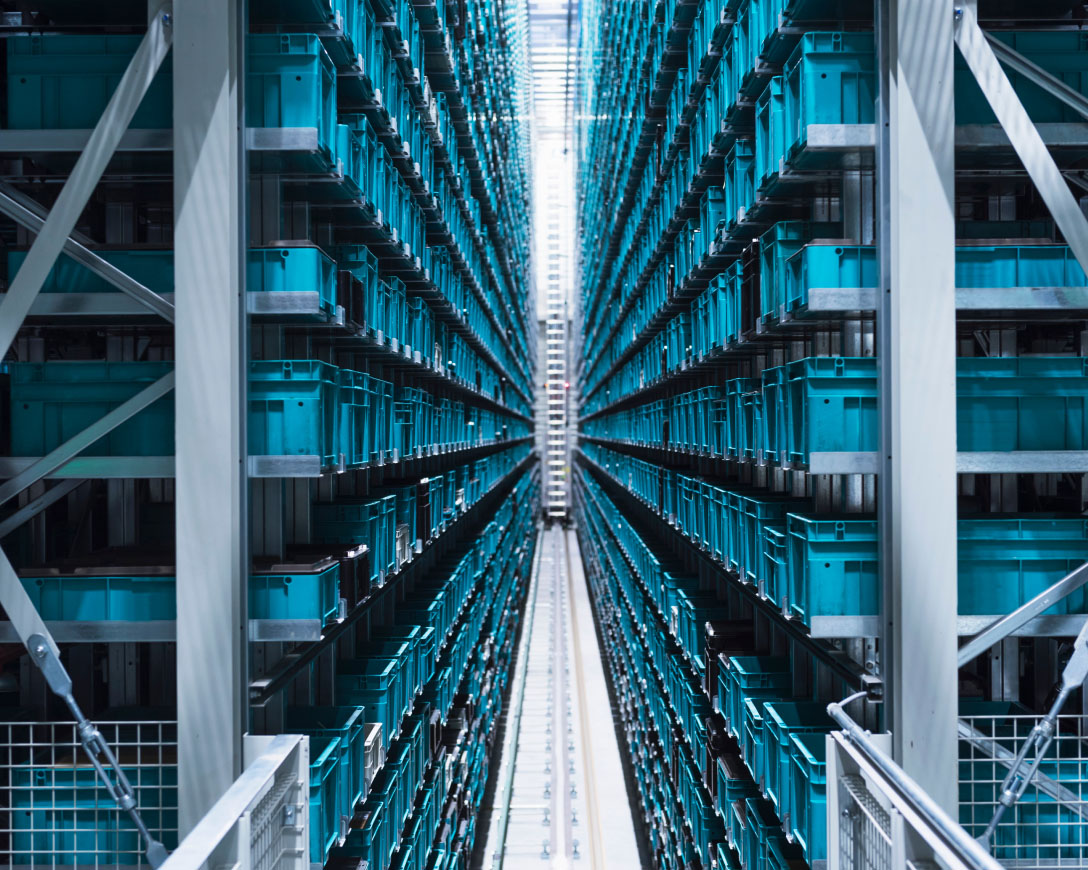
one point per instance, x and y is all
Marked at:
(1007, 625)
(51, 496)
(1018, 126)
(1036, 74)
(29, 217)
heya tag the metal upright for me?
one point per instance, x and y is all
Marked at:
(916, 322)
(210, 402)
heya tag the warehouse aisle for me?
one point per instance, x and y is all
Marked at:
(561, 799)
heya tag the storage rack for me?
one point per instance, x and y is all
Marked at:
(332, 266)
(775, 278)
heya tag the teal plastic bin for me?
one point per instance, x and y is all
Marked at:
(52, 402)
(293, 409)
(833, 566)
(829, 266)
(754, 677)
(291, 82)
(64, 81)
(61, 815)
(808, 805)
(1059, 53)
(96, 598)
(830, 79)
(832, 406)
(1022, 403)
(325, 828)
(302, 268)
(781, 720)
(305, 594)
(345, 724)
(153, 269)
(1017, 266)
(1004, 561)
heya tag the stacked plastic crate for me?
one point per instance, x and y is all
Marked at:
(389, 428)
(730, 414)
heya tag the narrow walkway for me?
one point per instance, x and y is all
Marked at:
(561, 800)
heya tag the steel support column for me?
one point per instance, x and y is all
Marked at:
(212, 542)
(917, 317)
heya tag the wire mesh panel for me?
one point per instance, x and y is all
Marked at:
(864, 829)
(273, 835)
(54, 811)
(1048, 826)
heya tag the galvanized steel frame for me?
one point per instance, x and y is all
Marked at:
(54, 236)
(916, 304)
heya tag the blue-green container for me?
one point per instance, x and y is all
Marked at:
(153, 269)
(829, 266)
(1018, 266)
(1058, 53)
(93, 598)
(1022, 403)
(84, 597)
(757, 512)
(833, 566)
(744, 416)
(293, 409)
(830, 79)
(776, 424)
(62, 815)
(753, 677)
(776, 246)
(312, 594)
(1004, 561)
(52, 402)
(784, 855)
(753, 744)
(832, 406)
(808, 806)
(375, 683)
(324, 785)
(732, 786)
(64, 81)
(370, 841)
(740, 188)
(291, 82)
(345, 724)
(770, 132)
(760, 826)
(298, 269)
(776, 566)
(303, 268)
(781, 720)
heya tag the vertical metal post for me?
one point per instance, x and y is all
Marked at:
(212, 541)
(918, 388)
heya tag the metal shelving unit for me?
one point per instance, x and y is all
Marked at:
(900, 190)
(220, 187)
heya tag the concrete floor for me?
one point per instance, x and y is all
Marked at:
(561, 800)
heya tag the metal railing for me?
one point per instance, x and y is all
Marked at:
(880, 818)
(263, 821)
